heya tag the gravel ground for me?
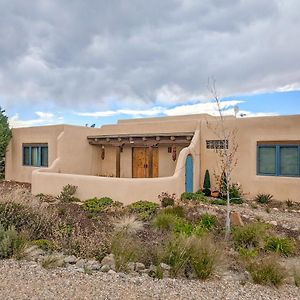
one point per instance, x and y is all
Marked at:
(28, 280)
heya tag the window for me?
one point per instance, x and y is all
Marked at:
(216, 144)
(35, 155)
(278, 160)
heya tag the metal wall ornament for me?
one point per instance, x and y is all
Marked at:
(174, 154)
(102, 152)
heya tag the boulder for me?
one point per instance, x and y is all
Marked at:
(108, 260)
(93, 265)
(165, 267)
(131, 267)
(139, 266)
(70, 259)
(236, 219)
(105, 268)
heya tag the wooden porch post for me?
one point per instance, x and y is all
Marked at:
(118, 161)
(150, 162)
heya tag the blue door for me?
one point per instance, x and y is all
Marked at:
(189, 174)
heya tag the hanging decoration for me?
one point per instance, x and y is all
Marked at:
(174, 153)
(102, 152)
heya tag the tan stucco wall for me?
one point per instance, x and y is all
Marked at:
(249, 132)
(14, 159)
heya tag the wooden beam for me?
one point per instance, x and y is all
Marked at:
(118, 161)
(150, 162)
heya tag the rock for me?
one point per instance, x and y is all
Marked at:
(33, 253)
(275, 208)
(93, 265)
(165, 267)
(274, 223)
(108, 260)
(166, 274)
(80, 263)
(70, 259)
(131, 267)
(105, 268)
(139, 266)
(111, 272)
(152, 268)
(236, 219)
(145, 271)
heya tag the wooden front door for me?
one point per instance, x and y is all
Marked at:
(142, 160)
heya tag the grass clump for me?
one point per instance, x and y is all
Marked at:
(266, 271)
(53, 261)
(264, 198)
(219, 202)
(67, 193)
(125, 249)
(175, 210)
(208, 221)
(44, 244)
(296, 275)
(129, 224)
(191, 256)
(281, 245)
(11, 242)
(251, 235)
(166, 221)
(144, 209)
(96, 205)
(189, 196)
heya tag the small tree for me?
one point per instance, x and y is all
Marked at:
(226, 154)
(5, 136)
(206, 184)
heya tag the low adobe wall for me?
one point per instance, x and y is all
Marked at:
(125, 190)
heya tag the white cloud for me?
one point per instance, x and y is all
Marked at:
(43, 118)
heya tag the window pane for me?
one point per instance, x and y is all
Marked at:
(34, 156)
(267, 160)
(289, 161)
(44, 156)
(26, 158)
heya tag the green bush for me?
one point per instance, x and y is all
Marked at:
(208, 221)
(67, 193)
(95, 205)
(167, 199)
(165, 221)
(144, 209)
(249, 236)
(263, 198)
(219, 202)
(280, 245)
(206, 184)
(175, 210)
(247, 253)
(184, 228)
(10, 242)
(189, 196)
(266, 271)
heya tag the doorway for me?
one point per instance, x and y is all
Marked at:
(189, 173)
(144, 162)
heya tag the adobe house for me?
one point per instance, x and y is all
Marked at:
(140, 158)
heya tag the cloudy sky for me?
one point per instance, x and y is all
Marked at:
(85, 62)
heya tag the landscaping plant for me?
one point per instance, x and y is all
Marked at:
(206, 184)
(281, 245)
(263, 198)
(96, 205)
(145, 210)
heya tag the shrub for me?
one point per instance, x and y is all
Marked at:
(208, 221)
(204, 256)
(280, 245)
(37, 223)
(206, 184)
(144, 209)
(165, 221)
(235, 194)
(185, 254)
(263, 198)
(184, 228)
(175, 210)
(53, 261)
(247, 253)
(67, 193)
(188, 196)
(266, 271)
(249, 236)
(10, 242)
(129, 224)
(219, 202)
(125, 250)
(95, 205)
(167, 199)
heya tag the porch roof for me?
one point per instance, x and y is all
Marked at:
(148, 139)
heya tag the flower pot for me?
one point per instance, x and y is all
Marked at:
(215, 194)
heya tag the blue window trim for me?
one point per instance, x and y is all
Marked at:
(39, 155)
(277, 159)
